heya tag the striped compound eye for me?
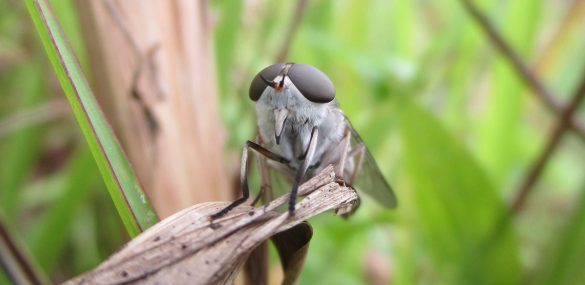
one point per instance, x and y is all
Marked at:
(311, 82)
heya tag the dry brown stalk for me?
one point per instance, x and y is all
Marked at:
(186, 248)
(562, 125)
(153, 73)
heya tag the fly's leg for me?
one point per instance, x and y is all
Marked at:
(265, 179)
(309, 153)
(340, 165)
(265, 182)
(359, 151)
(244, 168)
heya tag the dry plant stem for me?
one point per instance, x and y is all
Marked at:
(14, 262)
(187, 249)
(561, 126)
(521, 68)
(554, 48)
(296, 20)
(154, 75)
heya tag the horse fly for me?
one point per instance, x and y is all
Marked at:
(302, 129)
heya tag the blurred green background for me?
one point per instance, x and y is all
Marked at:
(452, 126)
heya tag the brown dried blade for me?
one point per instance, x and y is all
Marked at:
(185, 249)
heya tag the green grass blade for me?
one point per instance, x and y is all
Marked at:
(16, 164)
(131, 203)
(53, 228)
(501, 142)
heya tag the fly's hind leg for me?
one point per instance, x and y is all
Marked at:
(265, 182)
(244, 168)
(339, 166)
(358, 151)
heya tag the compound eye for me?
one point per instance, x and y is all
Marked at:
(312, 83)
(258, 85)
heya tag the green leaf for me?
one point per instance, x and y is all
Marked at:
(131, 203)
(564, 262)
(455, 205)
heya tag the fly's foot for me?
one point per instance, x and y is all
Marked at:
(214, 226)
(341, 181)
(291, 212)
(262, 193)
(291, 209)
(219, 214)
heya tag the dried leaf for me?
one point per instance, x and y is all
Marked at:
(187, 248)
(292, 247)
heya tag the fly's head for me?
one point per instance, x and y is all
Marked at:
(290, 89)
(308, 82)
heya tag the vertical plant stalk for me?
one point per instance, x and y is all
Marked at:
(561, 126)
(154, 73)
(130, 201)
(521, 68)
(15, 262)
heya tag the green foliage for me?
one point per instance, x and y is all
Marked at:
(456, 206)
(54, 227)
(562, 264)
(25, 80)
(451, 125)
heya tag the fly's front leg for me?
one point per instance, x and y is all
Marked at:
(309, 153)
(244, 168)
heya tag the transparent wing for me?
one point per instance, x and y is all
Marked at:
(369, 179)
